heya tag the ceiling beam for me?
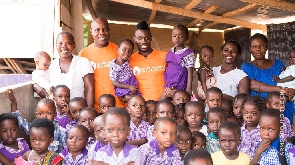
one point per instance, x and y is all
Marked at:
(195, 21)
(192, 4)
(274, 3)
(91, 9)
(192, 14)
(153, 13)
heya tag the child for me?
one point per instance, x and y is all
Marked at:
(45, 109)
(206, 78)
(227, 105)
(116, 129)
(161, 150)
(11, 146)
(151, 111)
(164, 109)
(229, 134)
(216, 116)
(40, 76)
(273, 100)
(237, 107)
(98, 125)
(75, 106)
(139, 127)
(194, 114)
(86, 118)
(179, 114)
(76, 152)
(121, 73)
(41, 136)
(105, 102)
(180, 63)
(198, 140)
(213, 97)
(61, 97)
(183, 140)
(198, 157)
(292, 139)
(250, 138)
(267, 152)
(180, 96)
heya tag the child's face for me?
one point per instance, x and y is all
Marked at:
(183, 142)
(198, 143)
(274, 102)
(64, 46)
(151, 113)
(125, 50)
(86, 119)
(251, 114)
(98, 126)
(206, 56)
(228, 107)
(229, 141)
(116, 130)
(179, 117)
(180, 97)
(214, 121)
(178, 37)
(40, 140)
(165, 110)
(269, 128)
(43, 63)
(76, 107)
(214, 99)
(62, 97)
(136, 107)
(238, 109)
(194, 116)
(292, 57)
(44, 110)
(76, 141)
(105, 103)
(165, 134)
(9, 132)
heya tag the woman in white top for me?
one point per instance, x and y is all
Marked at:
(231, 80)
(70, 70)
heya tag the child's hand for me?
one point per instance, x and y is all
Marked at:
(132, 88)
(51, 89)
(66, 110)
(283, 68)
(265, 144)
(130, 163)
(11, 95)
(276, 78)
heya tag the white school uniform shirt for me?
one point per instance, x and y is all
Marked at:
(290, 71)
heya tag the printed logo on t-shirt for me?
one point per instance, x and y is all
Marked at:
(137, 70)
(99, 65)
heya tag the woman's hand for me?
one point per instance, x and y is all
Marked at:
(40, 91)
(132, 89)
(290, 92)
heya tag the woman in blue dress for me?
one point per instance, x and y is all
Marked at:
(260, 72)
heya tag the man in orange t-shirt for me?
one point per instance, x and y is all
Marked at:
(100, 53)
(148, 64)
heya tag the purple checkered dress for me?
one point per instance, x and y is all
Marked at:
(81, 159)
(137, 133)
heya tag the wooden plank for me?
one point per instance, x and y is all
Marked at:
(18, 66)
(192, 14)
(29, 64)
(91, 9)
(9, 65)
(283, 5)
(65, 16)
(192, 4)
(153, 13)
(209, 10)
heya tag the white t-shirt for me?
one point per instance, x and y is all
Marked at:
(290, 71)
(79, 67)
(228, 83)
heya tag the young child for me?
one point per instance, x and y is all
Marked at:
(105, 102)
(164, 108)
(206, 78)
(194, 114)
(273, 100)
(198, 140)
(179, 114)
(40, 76)
(61, 97)
(98, 125)
(267, 152)
(121, 73)
(180, 62)
(41, 136)
(116, 129)
(251, 108)
(161, 150)
(76, 152)
(86, 118)
(45, 109)
(180, 96)
(237, 107)
(75, 106)
(151, 111)
(11, 146)
(216, 116)
(229, 134)
(198, 157)
(138, 127)
(214, 97)
(292, 139)
(183, 140)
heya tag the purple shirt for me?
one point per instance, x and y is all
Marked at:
(150, 154)
(288, 133)
(91, 141)
(70, 125)
(120, 72)
(149, 134)
(63, 120)
(68, 159)
(93, 149)
(11, 153)
(139, 132)
(187, 61)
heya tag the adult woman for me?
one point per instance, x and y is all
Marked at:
(261, 71)
(229, 79)
(71, 70)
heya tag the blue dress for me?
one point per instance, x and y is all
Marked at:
(266, 76)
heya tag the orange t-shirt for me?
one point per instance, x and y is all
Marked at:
(100, 58)
(149, 73)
